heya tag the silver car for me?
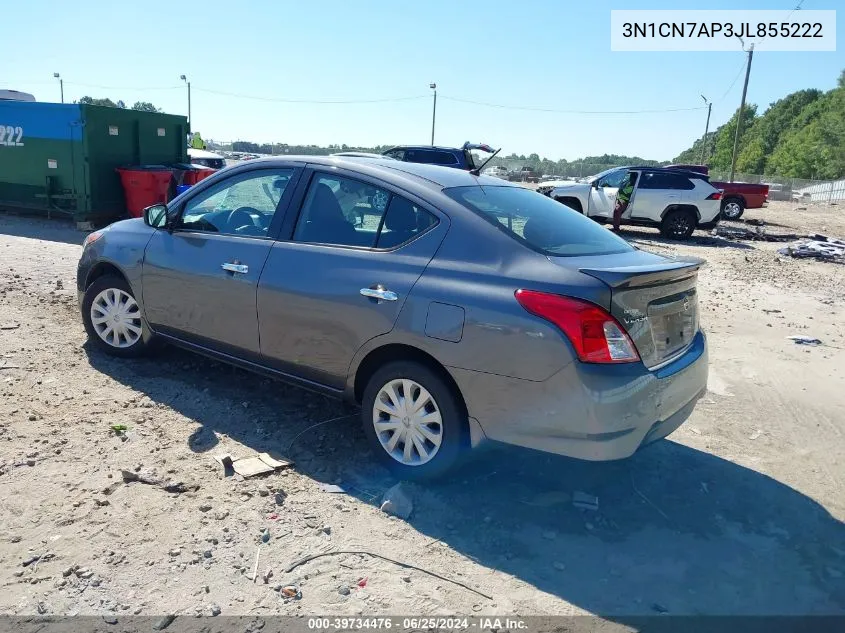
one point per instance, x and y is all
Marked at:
(455, 308)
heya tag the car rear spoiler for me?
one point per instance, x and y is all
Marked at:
(619, 277)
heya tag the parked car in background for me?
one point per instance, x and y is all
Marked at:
(497, 171)
(736, 196)
(549, 332)
(676, 201)
(524, 174)
(206, 158)
(778, 191)
(456, 157)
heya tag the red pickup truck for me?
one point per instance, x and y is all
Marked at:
(737, 196)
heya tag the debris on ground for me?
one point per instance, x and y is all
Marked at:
(397, 502)
(308, 559)
(547, 499)
(291, 591)
(168, 486)
(246, 467)
(331, 488)
(163, 622)
(585, 501)
(801, 339)
(758, 234)
(817, 247)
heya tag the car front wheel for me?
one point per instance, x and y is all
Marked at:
(413, 419)
(112, 317)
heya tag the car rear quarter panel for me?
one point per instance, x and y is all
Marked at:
(477, 269)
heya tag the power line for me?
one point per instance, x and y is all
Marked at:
(128, 88)
(559, 111)
(733, 83)
(310, 101)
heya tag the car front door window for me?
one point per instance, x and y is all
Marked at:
(241, 205)
(613, 179)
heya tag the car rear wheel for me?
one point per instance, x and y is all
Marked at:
(414, 420)
(732, 209)
(112, 317)
(678, 224)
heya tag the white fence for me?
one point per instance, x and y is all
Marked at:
(825, 191)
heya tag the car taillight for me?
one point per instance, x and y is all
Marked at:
(596, 336)
(716, 195)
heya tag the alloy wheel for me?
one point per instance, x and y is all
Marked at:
(732, 210)
(116, 318)
(679, 225)
(407, 422)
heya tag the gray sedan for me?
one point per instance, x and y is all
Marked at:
(452, 307)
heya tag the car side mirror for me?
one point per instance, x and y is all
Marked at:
(156, 216)
(596, 184)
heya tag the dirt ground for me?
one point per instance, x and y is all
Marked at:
(739, 512)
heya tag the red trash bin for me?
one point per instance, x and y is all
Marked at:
(193, 176)
(144, 185)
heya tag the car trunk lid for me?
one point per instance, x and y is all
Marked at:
(653, 297)
(656, 303)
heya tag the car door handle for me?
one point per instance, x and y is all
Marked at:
(379, 293)
(235, 268)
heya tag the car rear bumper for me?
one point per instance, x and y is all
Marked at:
(592, 412)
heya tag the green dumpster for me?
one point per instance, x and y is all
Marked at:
(60, 159)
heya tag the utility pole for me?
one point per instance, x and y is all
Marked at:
(706, 130)
(185, 79)
(741, 111)
(433, 111)
(61, 85)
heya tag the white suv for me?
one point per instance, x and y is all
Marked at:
(676, 201)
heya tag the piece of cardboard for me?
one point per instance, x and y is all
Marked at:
(250, 466)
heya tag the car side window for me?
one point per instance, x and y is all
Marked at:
(651, 180)
(443, 158)
(243, 204)
(398, 154)
(416, 156)
(613, 179)
(341, 211)
(403, 222)
(677, 181)
(345, 212)
(657, 180)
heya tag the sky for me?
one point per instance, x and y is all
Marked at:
(267, 54)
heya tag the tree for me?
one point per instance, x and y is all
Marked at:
(799, 136)
(723, 149)
(145, 106)
(97, 102)
(141, 106)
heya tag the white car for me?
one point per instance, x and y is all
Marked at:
(676, 201)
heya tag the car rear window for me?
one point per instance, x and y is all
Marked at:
(539, 222)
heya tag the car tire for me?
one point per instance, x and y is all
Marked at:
(440, 424)
(678, 224)
(112, 318)
(732, 209)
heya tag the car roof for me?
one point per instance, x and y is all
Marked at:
(428, 147)
(390, 170)
(670, 170)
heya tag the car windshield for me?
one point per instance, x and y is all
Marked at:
(541, 223)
